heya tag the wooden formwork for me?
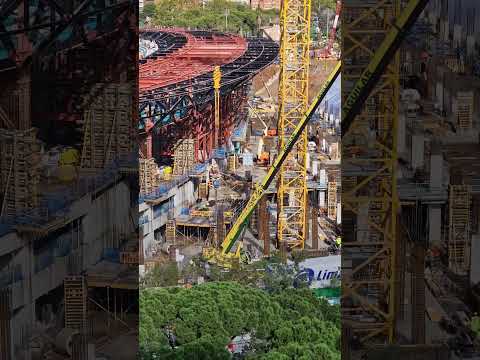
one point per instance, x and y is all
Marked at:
(19, 175)
(459, 229)
(107, 127)
(232, 162)
(332, 200)
(183, 156)
(170, 231)
(148, 175)
(465, 109)
(203, 190)
(75, 290)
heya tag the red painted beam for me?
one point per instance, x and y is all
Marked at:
(198, 56)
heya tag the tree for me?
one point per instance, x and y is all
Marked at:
(148, 11)
(184, 13)
(176, 323)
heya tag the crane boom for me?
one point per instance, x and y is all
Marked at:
(241, 221)
(379, 62)
(358, 95)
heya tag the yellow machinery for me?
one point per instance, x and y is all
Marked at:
(217, 75)
(370, 287)
(369, 284)
(223, 256)
(67, 164)
(293, 102)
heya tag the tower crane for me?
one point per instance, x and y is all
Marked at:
(327, 51)
(295, 18)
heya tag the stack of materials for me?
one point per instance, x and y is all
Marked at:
(184, 156)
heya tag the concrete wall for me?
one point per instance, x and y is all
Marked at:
(103, 221)
(183, 196)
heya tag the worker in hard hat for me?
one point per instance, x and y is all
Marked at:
(338, 242)
(475, 324)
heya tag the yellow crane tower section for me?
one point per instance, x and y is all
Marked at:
(293, 103)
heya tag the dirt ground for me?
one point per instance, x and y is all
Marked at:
(268, 78)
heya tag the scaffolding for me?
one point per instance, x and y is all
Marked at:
(459, 229)
(148, 175)
(108, 127)
(19, 175)
(465, 101)
(183, 156)
(369, 201)
(75, 289)
(293, 103)
(332, 200)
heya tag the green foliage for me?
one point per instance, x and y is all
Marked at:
(161, 275)
(182, 13)
(148, 11)
(322, 4)
(198, 323)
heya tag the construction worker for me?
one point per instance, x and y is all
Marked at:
(475, 324)
(338, 242)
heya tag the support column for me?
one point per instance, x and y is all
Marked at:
(314, 227)
(434, 220)
(418, 294)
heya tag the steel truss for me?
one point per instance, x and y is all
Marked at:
(369, 198)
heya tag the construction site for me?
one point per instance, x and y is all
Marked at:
(410, 180)
(408, 184)
(216, 113)
(68, 181)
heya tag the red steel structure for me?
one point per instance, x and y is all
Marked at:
(176, 86)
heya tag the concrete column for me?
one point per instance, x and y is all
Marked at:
(457, 35)
(401, 145)
(475, 254)
(339, 213)
(321, 199)
(314, 228)
(323, 177)
(439, 94)
(470, 45)
(436, 171)
(444, 30)
(418, 294)
(362, 223)
(434, 223)
(417, 151)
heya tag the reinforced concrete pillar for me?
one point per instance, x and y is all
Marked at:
(436, 171)
(434, 224)
(417, 151)
(314, 227)
(418, 294)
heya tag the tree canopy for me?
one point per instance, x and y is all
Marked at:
(198, 323)
(215, 15)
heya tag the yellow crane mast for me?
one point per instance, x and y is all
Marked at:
(293, 102)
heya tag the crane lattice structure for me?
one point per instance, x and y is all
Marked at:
(369, 197)
(293, 103)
